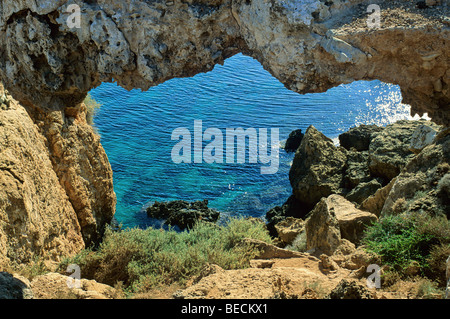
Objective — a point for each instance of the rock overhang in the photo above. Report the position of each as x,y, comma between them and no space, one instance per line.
308,45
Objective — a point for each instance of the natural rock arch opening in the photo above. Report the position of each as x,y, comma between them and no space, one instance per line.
136,132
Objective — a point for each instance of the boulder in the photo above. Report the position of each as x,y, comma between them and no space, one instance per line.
58,286
423,136
317,168
13,286
289,229
269,251
294,140
357,169
424,184
363,191
350,289
332,219
375,202
182,213
359,137
389,150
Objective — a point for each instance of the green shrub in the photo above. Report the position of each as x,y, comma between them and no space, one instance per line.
144,258
402,239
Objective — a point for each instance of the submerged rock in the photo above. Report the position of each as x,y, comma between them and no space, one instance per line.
182,213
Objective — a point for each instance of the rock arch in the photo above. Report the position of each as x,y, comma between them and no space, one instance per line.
309,45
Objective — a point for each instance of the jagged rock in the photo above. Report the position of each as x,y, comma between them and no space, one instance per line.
317,168
57,286
363,191
389,149
291,208
310,46
13,286
182,213
359,137
268,251
423,185
357,169
350,289
56,187
293,141
289,229
332,219
375,203
423,136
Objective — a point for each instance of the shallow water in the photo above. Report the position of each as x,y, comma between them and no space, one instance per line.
136,129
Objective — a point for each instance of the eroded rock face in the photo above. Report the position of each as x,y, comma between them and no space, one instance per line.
309,45
56,188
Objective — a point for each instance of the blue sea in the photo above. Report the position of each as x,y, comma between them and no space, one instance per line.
136,129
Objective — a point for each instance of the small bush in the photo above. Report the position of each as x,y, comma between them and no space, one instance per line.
144,258
402,239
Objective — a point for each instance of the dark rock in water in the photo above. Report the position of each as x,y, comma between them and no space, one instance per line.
293,141
359,137
182,213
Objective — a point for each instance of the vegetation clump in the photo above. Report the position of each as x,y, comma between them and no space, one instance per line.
143,259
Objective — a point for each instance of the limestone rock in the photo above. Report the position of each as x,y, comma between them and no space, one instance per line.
56,189
334,218
375,202
57,286
423,136
13,286
268,251
363,191
289,229
389,149
357,169
317,168
359,137
310,46
423,183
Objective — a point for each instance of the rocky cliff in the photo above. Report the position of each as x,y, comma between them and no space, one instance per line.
309,45
56,191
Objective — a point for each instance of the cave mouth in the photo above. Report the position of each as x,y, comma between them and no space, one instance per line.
137,138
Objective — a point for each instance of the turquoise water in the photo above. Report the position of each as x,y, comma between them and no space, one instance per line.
136,129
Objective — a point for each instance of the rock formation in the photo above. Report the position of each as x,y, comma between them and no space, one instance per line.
49,61
56,191
182,213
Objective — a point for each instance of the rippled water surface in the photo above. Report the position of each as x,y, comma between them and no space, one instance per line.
136,129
